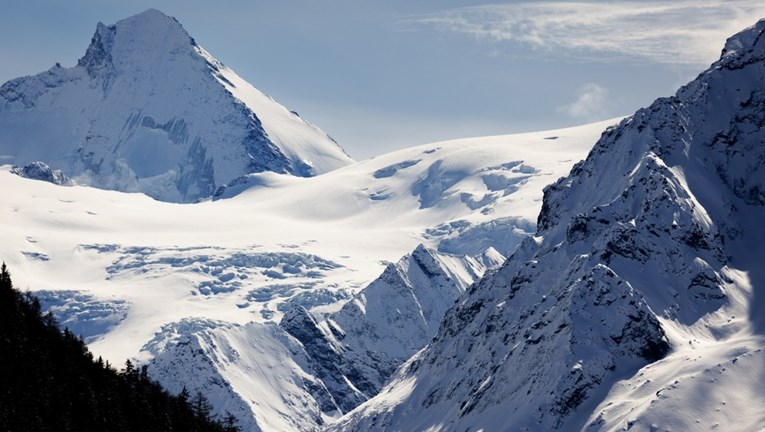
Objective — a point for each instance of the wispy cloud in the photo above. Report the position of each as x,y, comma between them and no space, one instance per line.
590,103
670,32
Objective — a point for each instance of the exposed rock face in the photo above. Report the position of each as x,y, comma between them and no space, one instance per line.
357,349
41,171
639,239
146,109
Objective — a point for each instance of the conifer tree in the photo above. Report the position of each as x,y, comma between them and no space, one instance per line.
49,381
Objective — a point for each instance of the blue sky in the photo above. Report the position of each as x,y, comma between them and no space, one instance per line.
382,75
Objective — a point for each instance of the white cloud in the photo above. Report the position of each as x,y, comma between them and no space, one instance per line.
590,103
686,32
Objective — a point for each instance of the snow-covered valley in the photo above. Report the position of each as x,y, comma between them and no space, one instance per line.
118,268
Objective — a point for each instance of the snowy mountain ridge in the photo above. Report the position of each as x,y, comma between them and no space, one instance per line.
637,304
148,110
313,366
384,324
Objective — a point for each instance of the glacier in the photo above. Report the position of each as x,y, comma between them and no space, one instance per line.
219,295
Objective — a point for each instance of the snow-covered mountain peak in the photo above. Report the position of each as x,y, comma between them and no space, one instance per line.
148,110
136,42
147,24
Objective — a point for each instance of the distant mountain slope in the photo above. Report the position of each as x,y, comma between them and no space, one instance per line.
148,110
638,304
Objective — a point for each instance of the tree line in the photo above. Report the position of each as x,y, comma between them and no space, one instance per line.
50,381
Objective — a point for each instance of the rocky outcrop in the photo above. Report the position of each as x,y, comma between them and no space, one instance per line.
41,171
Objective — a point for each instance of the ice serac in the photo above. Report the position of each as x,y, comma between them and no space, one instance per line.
641,291
148,110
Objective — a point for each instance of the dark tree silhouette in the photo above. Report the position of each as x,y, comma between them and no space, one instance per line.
49,381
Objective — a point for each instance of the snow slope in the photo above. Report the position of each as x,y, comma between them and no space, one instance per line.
130,270
638,303
148,110
356,349
310,368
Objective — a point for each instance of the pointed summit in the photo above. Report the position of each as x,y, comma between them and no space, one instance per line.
153,26
150,15
148,110
135,41
153,30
